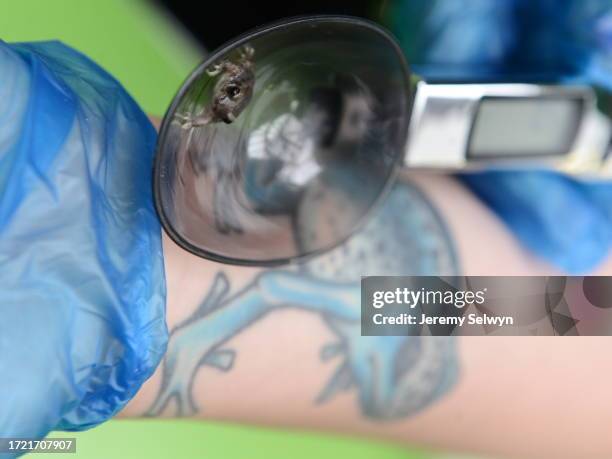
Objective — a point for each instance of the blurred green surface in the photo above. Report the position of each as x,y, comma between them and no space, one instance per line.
137,43
187,439
151,56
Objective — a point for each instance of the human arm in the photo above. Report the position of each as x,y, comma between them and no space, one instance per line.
277,374
65,338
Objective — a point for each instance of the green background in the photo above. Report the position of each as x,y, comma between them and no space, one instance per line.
151,55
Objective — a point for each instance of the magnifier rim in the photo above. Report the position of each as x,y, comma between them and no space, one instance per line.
212,58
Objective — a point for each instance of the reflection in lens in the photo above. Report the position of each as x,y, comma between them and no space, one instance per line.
298,120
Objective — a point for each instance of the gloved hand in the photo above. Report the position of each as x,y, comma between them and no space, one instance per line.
564,220
82,299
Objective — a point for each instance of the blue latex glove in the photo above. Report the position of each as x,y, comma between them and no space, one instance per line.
82,304
566,221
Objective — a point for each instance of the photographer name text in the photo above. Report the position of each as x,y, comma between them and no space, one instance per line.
459,321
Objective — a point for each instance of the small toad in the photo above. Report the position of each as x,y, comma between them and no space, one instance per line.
231,94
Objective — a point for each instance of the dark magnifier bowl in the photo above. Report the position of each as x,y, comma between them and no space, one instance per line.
279,145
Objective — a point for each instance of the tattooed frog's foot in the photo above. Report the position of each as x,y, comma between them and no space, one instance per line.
179,372
189,349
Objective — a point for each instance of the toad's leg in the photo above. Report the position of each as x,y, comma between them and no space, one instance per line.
188,122
247,53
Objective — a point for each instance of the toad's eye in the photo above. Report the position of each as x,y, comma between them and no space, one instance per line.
233,91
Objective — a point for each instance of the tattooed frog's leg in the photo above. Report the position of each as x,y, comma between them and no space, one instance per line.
199,341
395,376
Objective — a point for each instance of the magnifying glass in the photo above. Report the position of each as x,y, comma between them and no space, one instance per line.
282,142
277,147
